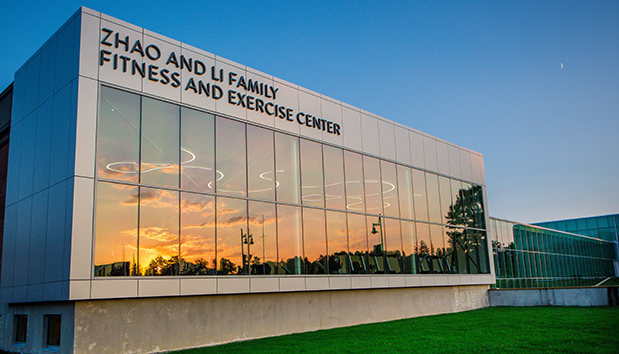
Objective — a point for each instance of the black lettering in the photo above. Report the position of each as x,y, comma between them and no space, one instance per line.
253,86
120,41
308,121
102,58
241,101
104,40
299,115
259,105
165,78
266,93
221,74
203,88
231,78
274,91
150,55
336,129
191,85
124,60
137,47
217,92
266,109
198,67
242,83
135,66
330,127
316,122
250,103
172,59
176,77
282,112
115,61
289,114
324,124
231,94
186,63
261,88
152,73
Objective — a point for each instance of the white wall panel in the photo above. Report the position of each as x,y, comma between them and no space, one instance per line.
442,153
31,98
43,144
153,82
65,272
465,163
22,244
402,146
332,111
113,288
264,284
231,285
454,161
198,286
158,287
48,71
26,171
290,95
19,93
78,289
122,75
292,284
387,139
81,232
8,247
12,185
340,283
351,128
200,99
314,283
483,170
54,243
38,234
66,55
417,154
429,150
369,134
476,168
231,91
256,114
86,127
309,105
89,46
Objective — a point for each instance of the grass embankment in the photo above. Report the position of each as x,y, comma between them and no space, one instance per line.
489,330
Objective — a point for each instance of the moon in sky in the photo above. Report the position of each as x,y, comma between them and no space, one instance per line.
561,65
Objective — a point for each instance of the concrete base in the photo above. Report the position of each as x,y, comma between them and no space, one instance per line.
549,297
161,324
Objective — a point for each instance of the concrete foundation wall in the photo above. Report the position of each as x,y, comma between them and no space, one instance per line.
158,324
549,297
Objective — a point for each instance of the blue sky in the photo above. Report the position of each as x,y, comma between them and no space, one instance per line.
484,75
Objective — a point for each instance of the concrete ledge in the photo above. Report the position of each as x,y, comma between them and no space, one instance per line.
194,321
549,297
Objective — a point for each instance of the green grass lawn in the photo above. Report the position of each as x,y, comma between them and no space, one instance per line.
489,330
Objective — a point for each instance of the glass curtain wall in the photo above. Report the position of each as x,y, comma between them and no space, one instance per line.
527,256
182,192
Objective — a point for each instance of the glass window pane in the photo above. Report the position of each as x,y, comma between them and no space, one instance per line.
334,177
337,236
116,235
263,228
393,245
445,191
287,169
312,180
358,243
290,242
315,241
377,260
160,146
260,163
197,151
434,203
118,135
197,234
231,235
405,190
425,251
159,232
230,160
455,215
355,196
409,245
439,259
371,172
420,199
389,189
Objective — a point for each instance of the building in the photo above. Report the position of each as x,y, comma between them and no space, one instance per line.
529,256
172,198
605,227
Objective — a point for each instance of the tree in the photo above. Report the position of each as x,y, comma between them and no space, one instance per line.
226,266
